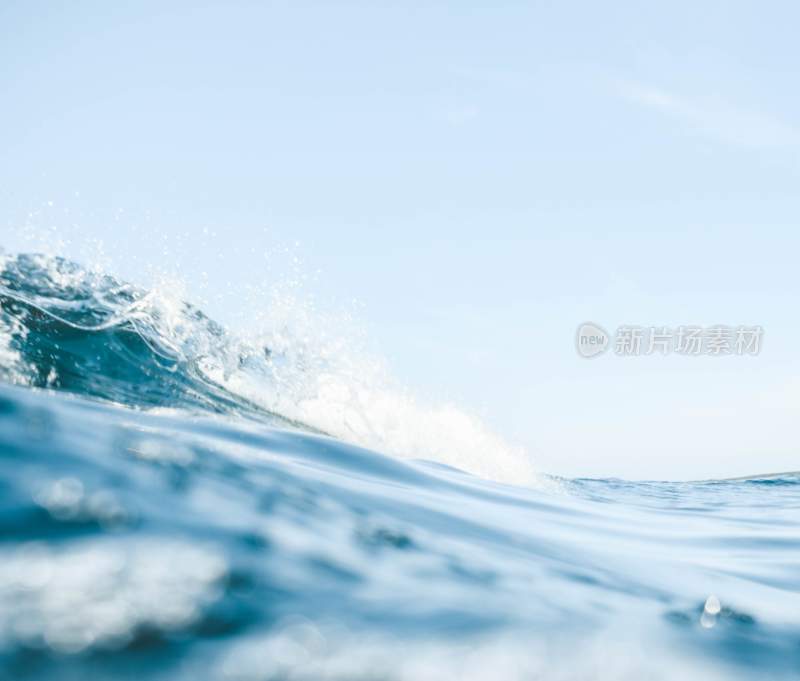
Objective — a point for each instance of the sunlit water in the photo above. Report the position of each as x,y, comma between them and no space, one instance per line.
172,508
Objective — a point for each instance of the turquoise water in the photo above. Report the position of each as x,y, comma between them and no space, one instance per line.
165,514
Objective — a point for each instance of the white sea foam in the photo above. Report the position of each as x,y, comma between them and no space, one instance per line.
320,372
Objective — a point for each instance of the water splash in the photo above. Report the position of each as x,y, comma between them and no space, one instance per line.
83,331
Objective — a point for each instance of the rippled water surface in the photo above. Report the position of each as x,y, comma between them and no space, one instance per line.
163,515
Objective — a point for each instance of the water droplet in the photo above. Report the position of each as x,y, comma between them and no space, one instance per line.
712,606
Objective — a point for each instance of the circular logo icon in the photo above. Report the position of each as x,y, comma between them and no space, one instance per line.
591,340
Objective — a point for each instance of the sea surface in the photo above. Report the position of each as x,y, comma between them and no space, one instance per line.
178,502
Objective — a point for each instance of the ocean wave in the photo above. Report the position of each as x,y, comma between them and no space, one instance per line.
81,330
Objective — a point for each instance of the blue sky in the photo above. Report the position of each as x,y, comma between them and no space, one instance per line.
482,178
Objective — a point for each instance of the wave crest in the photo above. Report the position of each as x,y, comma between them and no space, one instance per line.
80,330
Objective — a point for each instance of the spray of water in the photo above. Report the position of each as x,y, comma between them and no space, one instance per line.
296,360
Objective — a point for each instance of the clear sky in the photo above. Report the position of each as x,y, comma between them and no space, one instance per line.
482,178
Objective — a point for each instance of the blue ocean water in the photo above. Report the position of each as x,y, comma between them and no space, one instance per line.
173,506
